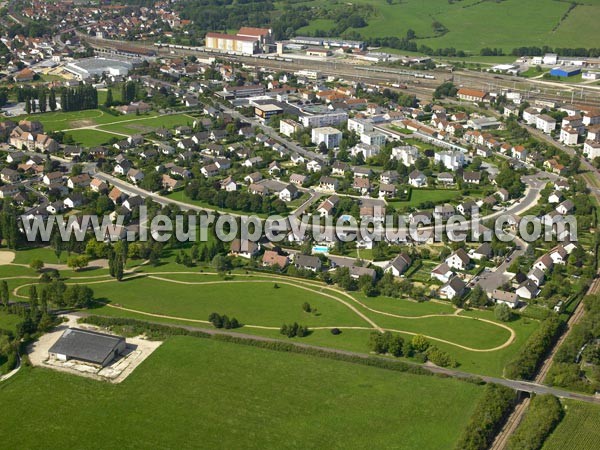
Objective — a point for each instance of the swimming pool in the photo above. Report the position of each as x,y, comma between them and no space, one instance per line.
320,249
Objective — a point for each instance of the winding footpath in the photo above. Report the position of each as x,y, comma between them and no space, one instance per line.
313,287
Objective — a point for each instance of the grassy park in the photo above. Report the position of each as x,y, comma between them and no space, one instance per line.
171,293
251,406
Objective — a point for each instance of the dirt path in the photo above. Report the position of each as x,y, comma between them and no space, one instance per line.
6,257
309,286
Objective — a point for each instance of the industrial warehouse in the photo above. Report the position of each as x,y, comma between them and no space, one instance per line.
89,67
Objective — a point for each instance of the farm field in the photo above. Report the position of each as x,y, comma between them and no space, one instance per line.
578,429
163,404
473,24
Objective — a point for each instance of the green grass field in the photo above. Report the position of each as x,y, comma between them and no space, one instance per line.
145,124
58,121
9,321
262,308
92,138
419,196
475,24
191,294
195,392
578,430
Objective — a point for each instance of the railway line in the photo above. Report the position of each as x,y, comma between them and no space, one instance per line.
421,84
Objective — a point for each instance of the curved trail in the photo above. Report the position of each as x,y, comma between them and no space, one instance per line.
510,340
298,283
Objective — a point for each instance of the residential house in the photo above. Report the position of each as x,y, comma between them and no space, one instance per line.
458,260
273,259
417,179
307,262
453,288
244,248
399,264
501,297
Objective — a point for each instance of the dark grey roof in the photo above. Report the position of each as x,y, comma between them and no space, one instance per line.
308,261
86,345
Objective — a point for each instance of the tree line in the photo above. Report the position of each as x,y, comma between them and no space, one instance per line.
492,410
79,98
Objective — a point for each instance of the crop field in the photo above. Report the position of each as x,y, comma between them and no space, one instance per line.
475,24
187,393
578,430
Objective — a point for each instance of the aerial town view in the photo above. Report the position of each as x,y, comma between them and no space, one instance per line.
300,224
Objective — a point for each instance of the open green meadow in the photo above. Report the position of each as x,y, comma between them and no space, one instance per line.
146,124
475,24
578,430
197,392
93,137
419,196
262,303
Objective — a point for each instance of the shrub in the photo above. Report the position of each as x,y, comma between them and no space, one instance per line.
543,415
336,331
530,356
491,412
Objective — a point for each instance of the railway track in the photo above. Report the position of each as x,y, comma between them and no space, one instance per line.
530,89
511,425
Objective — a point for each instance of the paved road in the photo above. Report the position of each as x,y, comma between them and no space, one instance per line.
493,279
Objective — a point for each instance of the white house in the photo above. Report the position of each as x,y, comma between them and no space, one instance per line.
406,154
527,290
505,298
458,260
591,149
530,116
442,273
399,264
545,123
452,160
453,288
288,193
417,179
568,135
314,166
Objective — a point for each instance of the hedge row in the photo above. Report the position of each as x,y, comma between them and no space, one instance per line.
489,416
543,415
525,364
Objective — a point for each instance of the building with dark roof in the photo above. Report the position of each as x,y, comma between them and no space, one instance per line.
88,346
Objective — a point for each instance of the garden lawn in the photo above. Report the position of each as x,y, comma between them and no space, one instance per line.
193,392
419,196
